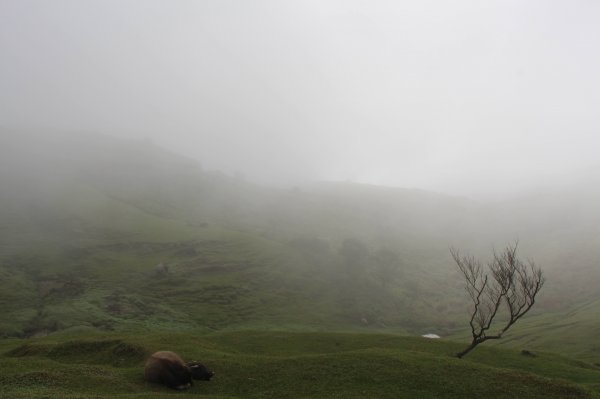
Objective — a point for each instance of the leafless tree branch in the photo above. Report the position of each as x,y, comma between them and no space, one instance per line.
509,281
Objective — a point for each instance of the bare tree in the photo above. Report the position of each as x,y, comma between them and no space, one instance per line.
508,281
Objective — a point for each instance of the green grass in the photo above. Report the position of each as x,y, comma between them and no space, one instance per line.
573,332
251,364
219,279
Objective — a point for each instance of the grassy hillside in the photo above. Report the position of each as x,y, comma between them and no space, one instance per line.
286,365
573,332
99,234
211,279
119,235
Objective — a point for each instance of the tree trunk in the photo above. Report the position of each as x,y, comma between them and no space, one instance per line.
468,349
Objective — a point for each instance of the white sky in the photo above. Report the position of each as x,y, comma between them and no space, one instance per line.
465,97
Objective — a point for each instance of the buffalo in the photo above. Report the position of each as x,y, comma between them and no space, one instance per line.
167,368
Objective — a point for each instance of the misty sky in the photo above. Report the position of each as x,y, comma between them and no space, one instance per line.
472,97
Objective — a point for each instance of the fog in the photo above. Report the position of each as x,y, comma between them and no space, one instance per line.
482,99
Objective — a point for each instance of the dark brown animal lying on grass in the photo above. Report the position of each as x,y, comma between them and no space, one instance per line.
169,369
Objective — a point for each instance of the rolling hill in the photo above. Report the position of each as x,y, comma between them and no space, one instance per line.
287,365
99,234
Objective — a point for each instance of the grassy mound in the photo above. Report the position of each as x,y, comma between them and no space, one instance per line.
287,365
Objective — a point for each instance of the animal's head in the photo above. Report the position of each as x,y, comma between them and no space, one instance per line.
199,371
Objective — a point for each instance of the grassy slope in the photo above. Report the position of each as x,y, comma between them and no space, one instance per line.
218,278
287,365
233,260
572,333
107,248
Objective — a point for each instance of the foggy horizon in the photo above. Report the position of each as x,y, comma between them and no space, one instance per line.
479,100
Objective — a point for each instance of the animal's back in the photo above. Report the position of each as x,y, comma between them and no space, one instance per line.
167,355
